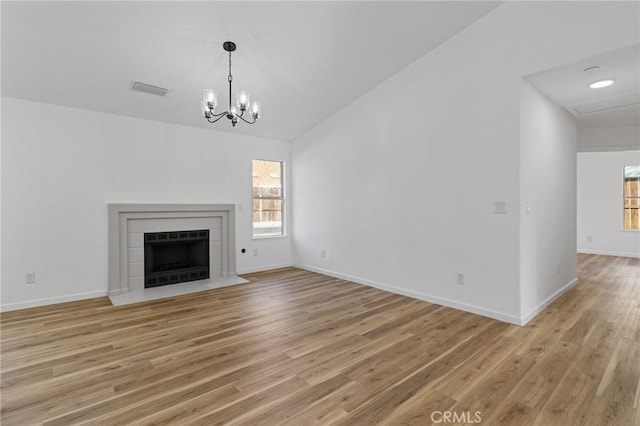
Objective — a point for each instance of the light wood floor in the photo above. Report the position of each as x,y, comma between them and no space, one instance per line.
299,348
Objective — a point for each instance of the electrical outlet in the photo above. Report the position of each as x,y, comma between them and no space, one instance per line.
589,239
30,278
255,252
240,208
460,279
323,253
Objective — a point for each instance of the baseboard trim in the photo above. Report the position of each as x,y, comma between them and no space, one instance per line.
500,316
263,268
80,296
548,301
610,253
50,301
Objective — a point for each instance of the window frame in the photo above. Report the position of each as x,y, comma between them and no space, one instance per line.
624,199
282,200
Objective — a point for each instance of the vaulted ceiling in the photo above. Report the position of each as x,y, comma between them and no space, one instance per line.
303,60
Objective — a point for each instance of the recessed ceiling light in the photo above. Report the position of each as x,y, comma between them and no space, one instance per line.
600,84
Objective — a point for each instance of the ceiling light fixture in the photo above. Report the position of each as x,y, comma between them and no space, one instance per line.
210,100
600,84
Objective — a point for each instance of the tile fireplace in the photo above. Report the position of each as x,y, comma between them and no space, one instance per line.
160,244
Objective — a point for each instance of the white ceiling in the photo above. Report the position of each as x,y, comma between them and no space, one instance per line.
615,105
303,60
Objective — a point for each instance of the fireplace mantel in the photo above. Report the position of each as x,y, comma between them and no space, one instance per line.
120,220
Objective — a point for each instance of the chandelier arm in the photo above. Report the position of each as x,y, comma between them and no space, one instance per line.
217,119
243,119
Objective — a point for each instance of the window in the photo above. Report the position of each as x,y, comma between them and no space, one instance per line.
631,197
268,198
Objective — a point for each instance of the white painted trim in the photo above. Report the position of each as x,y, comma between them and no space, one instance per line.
625,148
264,268
525,319
609,253
51,301
415,295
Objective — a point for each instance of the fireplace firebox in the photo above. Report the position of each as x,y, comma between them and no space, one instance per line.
175,257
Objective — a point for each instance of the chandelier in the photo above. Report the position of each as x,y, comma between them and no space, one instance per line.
235,112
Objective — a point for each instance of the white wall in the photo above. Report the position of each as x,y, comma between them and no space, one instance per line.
548,200
60,168
600,195
616,138
398,186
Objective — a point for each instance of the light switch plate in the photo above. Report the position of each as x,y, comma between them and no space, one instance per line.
499,207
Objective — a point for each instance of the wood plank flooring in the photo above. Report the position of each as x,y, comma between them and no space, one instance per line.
298,348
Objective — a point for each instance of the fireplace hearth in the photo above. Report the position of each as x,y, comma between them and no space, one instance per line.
175,257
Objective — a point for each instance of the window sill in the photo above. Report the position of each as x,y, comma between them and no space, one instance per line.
268,237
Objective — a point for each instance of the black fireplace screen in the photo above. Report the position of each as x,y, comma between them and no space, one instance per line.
175,257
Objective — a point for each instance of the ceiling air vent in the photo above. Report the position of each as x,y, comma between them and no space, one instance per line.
148,88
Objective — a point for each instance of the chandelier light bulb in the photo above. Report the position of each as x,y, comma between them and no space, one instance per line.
243,100
205,109
255,110
210,98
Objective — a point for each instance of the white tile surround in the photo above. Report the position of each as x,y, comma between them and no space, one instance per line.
136,228
129,222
